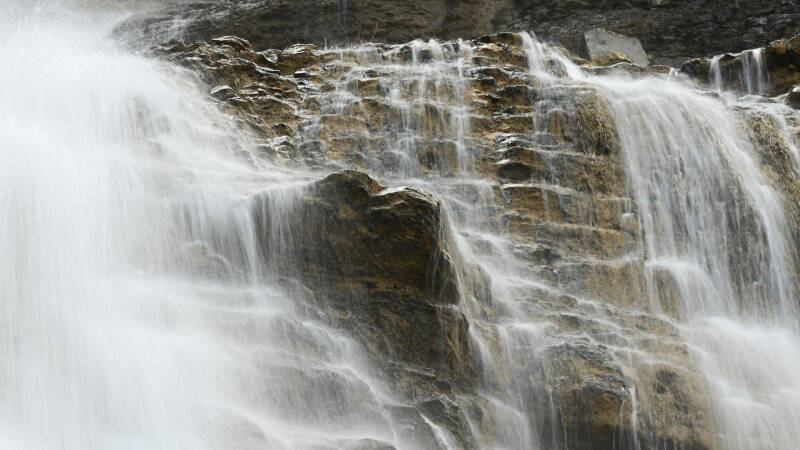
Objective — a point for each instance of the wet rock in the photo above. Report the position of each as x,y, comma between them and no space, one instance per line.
594,408
793,98
444,411
773,68
698,68
611,58
778,162
248,83
783,63
625,68
381,257
232,41
596,132
379,262
600,43
295,57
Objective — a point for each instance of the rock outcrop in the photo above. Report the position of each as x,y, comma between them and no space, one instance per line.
383,258
601,43
377,263
773,69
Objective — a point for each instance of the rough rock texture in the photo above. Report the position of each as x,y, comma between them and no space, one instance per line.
793,98
778,162
783,64
383,258
379,258
780,60
670,30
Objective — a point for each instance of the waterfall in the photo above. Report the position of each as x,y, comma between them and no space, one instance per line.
136,309
620,248
748,73
714,224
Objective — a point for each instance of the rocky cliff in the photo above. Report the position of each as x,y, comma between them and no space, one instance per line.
475,224
520,165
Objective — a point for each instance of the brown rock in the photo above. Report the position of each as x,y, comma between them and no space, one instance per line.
381,256
611,59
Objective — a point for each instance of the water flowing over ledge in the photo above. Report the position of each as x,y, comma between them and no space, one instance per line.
542,255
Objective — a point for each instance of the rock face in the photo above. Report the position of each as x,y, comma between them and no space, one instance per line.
377,261
380,255
769,70
671,30
282,23
793,98
603,44
783,64
550,176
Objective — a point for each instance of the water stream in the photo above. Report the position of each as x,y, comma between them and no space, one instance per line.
139,311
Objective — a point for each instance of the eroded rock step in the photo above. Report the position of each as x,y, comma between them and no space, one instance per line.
516,164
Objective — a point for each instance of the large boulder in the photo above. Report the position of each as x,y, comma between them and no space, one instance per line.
600,43
381,257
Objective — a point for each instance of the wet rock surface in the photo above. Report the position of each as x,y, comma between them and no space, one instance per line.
769,70
381,255
379,259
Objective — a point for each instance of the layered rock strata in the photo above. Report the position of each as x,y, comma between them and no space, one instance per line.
528,170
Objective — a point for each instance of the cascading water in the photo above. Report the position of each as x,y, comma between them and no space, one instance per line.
749,75
713,223
143,307
427,143
136,310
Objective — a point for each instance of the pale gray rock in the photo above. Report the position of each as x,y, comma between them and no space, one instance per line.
600,42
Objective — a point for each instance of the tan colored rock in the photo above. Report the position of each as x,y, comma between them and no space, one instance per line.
612,58
381,258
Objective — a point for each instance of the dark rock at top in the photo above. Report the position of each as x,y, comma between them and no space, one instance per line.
670,30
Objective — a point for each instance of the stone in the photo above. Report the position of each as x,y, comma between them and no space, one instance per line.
781,60
382,257
610,59
232,41
793,98
601,43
